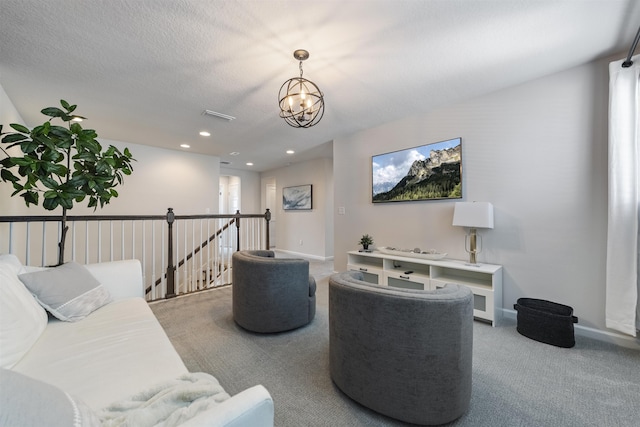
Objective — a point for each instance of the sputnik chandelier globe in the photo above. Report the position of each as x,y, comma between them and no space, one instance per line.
301,102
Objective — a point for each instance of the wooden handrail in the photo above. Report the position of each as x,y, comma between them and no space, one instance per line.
170,217
53,218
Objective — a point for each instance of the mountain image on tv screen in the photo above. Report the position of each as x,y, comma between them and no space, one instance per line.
428,172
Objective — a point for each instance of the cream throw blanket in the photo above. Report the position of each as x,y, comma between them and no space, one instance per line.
166,404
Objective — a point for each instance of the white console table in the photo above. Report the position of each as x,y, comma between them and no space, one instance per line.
484,280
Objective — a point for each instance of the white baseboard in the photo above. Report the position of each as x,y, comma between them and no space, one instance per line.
598,334
303,255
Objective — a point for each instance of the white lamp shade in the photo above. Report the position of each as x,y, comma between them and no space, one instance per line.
473,214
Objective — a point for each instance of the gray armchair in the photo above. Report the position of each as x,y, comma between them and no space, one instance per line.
271,294
404,353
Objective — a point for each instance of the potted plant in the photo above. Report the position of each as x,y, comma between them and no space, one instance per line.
62,164
365,241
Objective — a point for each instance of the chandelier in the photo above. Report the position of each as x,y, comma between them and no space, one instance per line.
301,102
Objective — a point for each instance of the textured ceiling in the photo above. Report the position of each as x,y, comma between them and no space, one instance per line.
143,71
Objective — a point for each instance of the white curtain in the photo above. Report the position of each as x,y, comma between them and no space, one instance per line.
622,277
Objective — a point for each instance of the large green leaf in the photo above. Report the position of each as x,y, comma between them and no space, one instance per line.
20,128
78,180
85,156
30,197
51,155
88,134
6,175
92,145
60,132
22,161
52,112
66,203
102,167
7,162
73,193
13,137
50,204
49,182
76,128
58,169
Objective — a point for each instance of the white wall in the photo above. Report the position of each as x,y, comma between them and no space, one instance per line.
314,227
161,178
8,114
538,152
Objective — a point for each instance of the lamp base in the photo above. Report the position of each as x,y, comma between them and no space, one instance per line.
472,247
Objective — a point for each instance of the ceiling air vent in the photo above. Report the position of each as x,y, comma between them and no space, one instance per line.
216,114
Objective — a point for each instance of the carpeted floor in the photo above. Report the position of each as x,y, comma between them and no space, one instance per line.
516,381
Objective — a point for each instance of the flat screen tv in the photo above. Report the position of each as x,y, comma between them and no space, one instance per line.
428,172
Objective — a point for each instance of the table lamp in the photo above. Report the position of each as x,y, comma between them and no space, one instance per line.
473,215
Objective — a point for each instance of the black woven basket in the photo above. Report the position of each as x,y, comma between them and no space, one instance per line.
546,321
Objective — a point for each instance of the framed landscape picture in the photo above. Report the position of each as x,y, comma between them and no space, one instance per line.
296,198
428,172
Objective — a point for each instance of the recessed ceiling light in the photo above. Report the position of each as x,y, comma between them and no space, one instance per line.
290,151
234,153
205,133
185,146
249,164
76,119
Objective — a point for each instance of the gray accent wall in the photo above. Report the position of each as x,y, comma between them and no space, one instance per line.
538,152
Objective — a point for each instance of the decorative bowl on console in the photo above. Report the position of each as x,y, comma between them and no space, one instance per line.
412,253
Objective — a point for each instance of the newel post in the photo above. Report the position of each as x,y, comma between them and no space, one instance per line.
171,269
237,230
267,218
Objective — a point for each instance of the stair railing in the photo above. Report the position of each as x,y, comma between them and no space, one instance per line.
203,242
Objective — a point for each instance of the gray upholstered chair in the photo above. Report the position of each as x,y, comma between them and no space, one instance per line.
272,294
404,353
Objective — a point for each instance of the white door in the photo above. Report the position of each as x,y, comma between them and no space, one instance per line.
229,204
234,194
230,190
222,196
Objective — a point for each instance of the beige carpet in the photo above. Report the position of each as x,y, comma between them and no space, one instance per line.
516,381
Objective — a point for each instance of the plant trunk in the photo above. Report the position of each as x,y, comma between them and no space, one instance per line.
63,235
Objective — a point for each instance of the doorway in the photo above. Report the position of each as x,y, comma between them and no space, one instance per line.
270,201
229,197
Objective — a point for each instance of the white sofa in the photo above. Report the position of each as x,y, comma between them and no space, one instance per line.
118,350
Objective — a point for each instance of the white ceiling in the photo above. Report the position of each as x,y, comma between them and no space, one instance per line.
143,71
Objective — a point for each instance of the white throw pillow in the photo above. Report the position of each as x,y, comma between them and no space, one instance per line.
69,291
22,320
